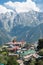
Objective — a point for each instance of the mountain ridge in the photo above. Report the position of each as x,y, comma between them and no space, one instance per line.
23,26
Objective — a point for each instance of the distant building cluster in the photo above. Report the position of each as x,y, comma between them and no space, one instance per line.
21,50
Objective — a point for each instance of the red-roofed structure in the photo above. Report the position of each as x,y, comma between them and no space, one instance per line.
13,46
21,44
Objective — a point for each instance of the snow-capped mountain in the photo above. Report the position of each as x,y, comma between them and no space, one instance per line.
27,26
7,20
21,20
12,19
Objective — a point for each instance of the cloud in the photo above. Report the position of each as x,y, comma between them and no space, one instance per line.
4,9
22,6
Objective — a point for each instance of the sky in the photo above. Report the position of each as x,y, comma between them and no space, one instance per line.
3,1
21,5
37,1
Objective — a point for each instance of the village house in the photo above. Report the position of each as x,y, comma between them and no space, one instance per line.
28,54
14,46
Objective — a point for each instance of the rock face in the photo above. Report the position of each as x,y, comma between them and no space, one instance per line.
24,26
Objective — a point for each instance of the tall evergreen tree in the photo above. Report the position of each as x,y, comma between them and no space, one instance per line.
40,44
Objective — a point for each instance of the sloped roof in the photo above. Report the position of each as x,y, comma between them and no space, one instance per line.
16,43
28,52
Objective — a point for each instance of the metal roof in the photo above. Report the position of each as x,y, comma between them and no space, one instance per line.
24,53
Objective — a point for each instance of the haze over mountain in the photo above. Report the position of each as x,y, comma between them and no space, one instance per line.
20,20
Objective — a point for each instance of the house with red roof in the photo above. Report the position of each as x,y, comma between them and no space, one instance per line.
14,46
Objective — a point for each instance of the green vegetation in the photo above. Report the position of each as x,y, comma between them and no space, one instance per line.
3,60
40,62
41,52
40,44
12,61
8,60
33,62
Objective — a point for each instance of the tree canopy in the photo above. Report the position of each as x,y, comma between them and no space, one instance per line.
40,44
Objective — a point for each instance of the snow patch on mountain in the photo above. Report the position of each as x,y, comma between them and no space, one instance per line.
4,9
7,20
